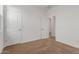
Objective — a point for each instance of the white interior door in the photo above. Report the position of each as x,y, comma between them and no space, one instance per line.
14,30
52,26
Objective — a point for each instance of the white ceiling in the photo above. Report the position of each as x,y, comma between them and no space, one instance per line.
38,6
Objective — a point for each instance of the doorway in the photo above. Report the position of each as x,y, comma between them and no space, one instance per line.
52,22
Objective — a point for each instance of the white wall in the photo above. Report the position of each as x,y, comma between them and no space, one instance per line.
1,28
34,20
67,24
33,23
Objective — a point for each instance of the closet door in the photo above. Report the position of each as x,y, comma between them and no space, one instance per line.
14,30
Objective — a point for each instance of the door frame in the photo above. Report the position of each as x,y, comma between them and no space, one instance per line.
50,26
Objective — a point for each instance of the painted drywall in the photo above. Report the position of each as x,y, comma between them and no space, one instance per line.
1,28
32,24
67,24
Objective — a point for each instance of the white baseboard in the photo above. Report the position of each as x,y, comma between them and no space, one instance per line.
9,44
67,43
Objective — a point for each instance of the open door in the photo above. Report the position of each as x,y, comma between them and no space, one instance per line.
52,27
